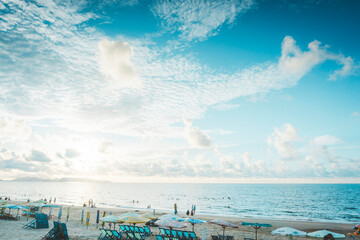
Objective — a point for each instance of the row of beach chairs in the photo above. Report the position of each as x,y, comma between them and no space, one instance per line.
135,229
176,234
108,234
6,216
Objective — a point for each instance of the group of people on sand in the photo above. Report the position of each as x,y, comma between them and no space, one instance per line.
188,212
6,198
91,203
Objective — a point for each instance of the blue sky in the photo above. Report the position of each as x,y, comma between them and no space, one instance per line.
180,91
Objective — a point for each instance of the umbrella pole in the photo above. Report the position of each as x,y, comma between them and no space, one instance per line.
224,231
193,226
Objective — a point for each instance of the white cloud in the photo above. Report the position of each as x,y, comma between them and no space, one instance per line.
115,62
355,114
293,61
14,129
327,140
194,136
282,140
199,19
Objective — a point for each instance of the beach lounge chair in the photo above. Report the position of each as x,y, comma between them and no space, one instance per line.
141,230
116,234
162,231
193,236
166,238
40,221
214,237
127,228
130,235
122,228
159,237
167,232
186,235
136,229
132,228
180,234
173,233
59,232
147,231
139,236
229,237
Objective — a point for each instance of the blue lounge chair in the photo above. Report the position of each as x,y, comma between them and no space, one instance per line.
173,233
167,232
193,236
127,228
141,229
147,231
122,228
186,235
139,236
180,234
40,221
132,228
136,229
159,237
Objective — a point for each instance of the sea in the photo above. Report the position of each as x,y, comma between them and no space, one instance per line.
339,203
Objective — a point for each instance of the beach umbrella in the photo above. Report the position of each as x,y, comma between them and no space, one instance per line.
104,214
87,219
51,205
323,233
109,219
193,221
128,214
18,207
170,223
40,201
357,226
285,231
149,215
171,217
256,226
7,205
133,219
224,224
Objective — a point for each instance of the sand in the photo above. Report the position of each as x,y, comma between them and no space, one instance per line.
12,230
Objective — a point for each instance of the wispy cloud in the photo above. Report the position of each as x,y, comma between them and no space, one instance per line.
199,19
282,140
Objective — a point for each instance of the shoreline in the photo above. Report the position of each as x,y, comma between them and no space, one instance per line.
80,231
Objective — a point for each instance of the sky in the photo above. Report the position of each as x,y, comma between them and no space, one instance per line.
252,91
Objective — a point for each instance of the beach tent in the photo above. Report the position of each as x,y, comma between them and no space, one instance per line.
133,219
169,223
224,224
286,231
193,221
256,226
323,233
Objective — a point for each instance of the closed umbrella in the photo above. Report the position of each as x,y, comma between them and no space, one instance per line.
256,226
224,224
60,213
323,233
286,231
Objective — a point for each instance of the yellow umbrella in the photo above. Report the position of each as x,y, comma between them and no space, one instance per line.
149,215
133,219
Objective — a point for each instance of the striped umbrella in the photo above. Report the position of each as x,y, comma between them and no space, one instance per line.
82,216
224,224
87,219
68,214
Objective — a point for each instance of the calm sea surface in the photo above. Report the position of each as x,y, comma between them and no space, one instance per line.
309,202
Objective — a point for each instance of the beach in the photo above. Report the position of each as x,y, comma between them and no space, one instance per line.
13,230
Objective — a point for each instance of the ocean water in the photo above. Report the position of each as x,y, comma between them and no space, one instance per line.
309,202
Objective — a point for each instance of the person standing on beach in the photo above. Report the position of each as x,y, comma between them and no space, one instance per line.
175,208
54,200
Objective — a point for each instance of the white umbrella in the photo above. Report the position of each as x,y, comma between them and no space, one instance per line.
323,233
110,219
285,231
170,223
171,217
